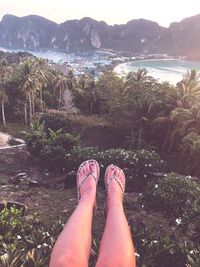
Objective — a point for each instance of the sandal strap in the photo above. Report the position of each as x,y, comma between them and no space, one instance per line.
114,177
85,177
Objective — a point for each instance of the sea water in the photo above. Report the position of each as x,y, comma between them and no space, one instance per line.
171,70
90,58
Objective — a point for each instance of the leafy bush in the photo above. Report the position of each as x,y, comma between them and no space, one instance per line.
55,121
57,146
24,243
158,244
11,223
65,140
52,147
60,151
138,165
175,196
138,162
190,153
36,139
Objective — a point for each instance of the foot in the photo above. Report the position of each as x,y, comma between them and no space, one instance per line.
87,178
115,185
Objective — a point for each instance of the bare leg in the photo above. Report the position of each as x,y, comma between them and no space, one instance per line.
116,249
72,249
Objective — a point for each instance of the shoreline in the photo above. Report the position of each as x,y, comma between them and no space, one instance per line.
166,69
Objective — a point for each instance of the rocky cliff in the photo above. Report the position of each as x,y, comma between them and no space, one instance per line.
136,36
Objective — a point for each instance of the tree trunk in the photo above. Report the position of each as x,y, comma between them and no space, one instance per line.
3,112
33,102
25,114
30,107
59,101
93,99
91,107
41,100
166,139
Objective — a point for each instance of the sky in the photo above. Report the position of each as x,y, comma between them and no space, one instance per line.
110,11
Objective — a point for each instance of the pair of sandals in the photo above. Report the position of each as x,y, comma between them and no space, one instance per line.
107,179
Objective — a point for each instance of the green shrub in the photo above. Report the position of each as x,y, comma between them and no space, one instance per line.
65,140
139,162
158,244
57,146
24,243
51,148
11,222
36,139
190,153
175,196
55,121
60,151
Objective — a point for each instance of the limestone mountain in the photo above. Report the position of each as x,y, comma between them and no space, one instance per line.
136,36
182,38
26,32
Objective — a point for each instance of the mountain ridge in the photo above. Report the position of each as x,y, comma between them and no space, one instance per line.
137,36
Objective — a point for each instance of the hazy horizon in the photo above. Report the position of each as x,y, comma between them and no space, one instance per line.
111,12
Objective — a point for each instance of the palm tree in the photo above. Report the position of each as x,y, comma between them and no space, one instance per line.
44,76
70,79
86,87
187,119
60,82
29,83
179,123
189,89
5,72
139,76
92,95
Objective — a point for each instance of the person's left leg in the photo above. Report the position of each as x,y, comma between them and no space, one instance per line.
73,246
116,248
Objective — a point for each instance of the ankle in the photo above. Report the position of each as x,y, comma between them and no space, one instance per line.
88,196
114,201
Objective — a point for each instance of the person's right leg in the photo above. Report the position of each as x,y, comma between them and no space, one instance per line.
73,247
116,249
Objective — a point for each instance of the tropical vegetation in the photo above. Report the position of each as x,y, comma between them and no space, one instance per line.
148,128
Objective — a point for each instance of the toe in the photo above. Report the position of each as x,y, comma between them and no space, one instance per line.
83,172
110,171
93,167
87,167
118,173
121,176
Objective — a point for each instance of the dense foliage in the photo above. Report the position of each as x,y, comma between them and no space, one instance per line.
60,152
149,112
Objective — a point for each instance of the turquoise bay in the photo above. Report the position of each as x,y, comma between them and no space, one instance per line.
170,70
